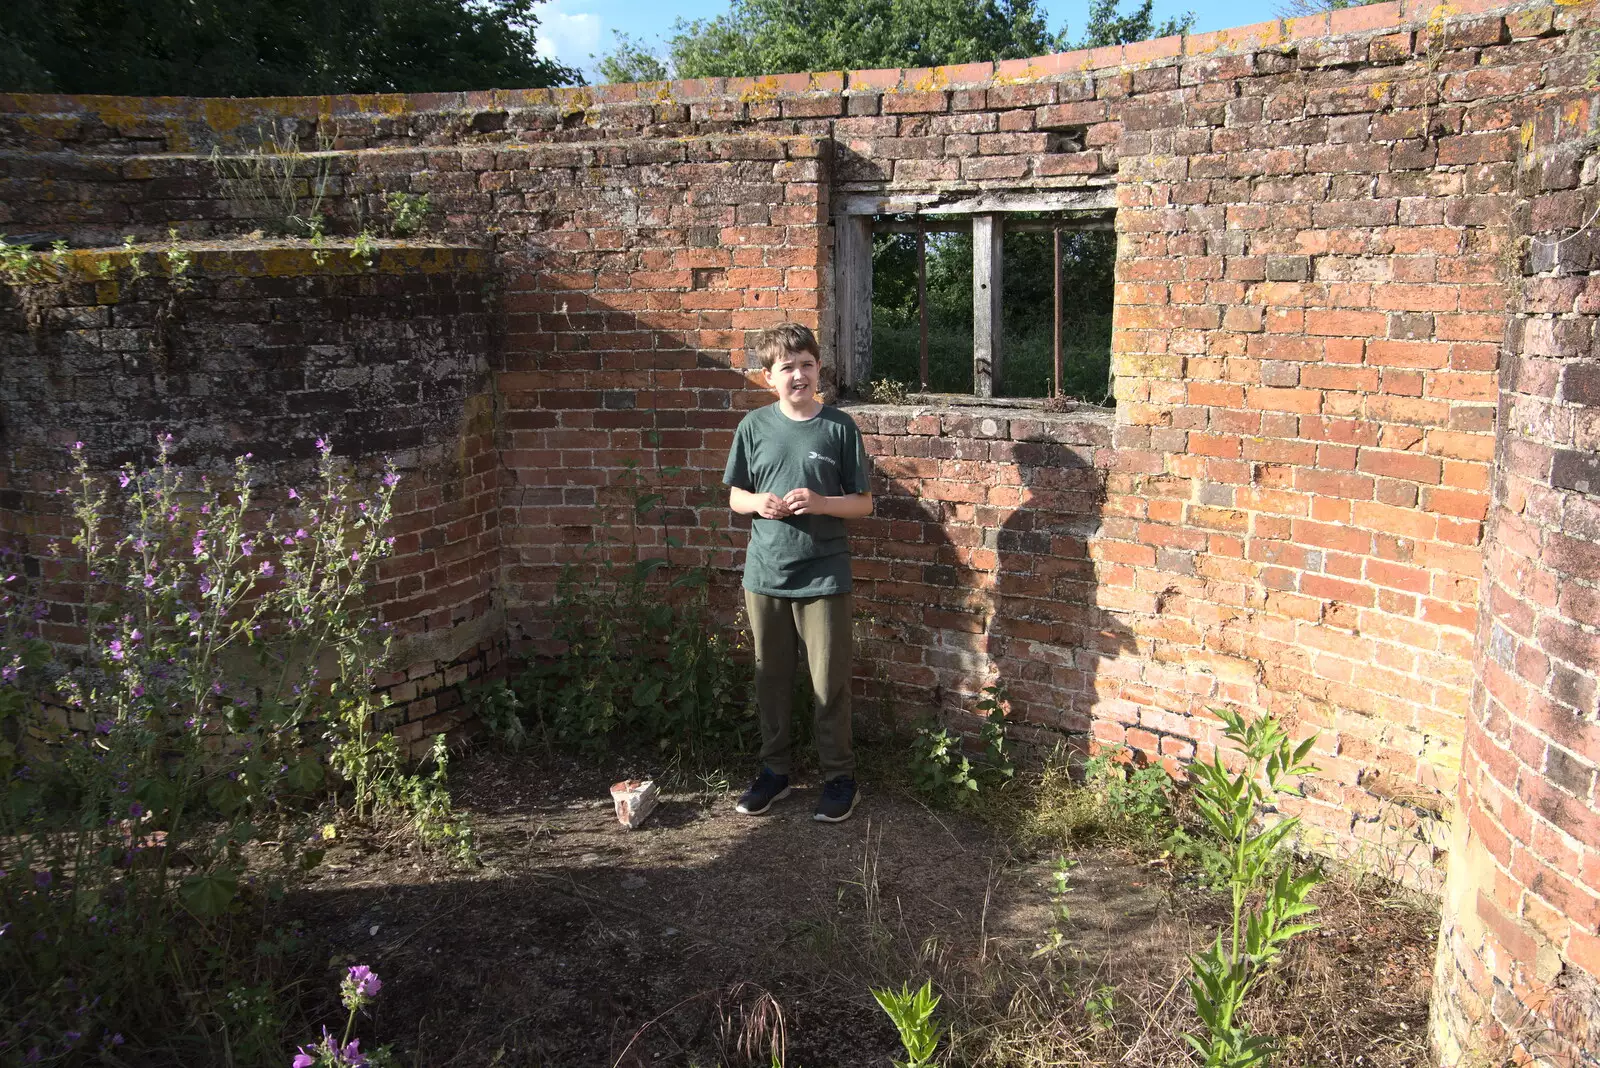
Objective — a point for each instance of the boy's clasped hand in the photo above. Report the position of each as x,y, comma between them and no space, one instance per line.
795,502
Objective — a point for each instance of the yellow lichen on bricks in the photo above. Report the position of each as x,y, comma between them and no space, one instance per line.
936,78
573,100
1030,73
764,91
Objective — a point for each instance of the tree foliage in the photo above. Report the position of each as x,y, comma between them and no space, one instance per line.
272,47
1107,25
783,36
630,61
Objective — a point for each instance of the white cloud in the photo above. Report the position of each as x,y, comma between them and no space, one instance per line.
569,36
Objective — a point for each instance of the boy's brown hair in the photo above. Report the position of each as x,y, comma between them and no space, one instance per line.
783,340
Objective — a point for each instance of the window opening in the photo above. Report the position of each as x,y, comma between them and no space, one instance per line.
1003,304
922,303
1056,310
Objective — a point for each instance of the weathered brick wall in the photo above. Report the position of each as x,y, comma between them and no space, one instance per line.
976,559
1519,957
626,334
261,351
1285,511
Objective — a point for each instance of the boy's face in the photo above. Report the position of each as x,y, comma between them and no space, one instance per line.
793,376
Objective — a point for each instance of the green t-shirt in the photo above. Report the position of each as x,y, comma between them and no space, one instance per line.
803,555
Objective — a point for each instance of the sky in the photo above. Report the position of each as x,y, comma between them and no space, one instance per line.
572,30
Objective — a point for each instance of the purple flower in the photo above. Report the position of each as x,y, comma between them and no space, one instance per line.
116,649
321,444
366,982
266,568
104,726
124,480
149,580
303,1059
135,810
138,689
247,546
354,557
293,496
43,879
390,478
204,584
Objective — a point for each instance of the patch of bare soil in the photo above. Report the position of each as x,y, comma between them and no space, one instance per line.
706,938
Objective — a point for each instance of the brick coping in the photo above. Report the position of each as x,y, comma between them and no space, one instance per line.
269,258
226,115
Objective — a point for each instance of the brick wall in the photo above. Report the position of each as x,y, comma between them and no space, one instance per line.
1317,223
263,350
1519,958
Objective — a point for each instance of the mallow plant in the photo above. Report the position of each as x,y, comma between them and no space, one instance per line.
357,991
165,762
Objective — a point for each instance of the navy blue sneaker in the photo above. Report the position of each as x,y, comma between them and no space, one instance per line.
838,800
767,788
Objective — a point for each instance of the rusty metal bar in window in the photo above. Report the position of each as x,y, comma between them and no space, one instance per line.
922,306
1055,263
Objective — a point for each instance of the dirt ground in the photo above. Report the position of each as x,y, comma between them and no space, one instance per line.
580,943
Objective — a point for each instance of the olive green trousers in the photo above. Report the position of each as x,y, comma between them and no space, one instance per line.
777,627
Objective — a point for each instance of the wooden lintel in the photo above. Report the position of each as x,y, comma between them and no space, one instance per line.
1013,226
1089,198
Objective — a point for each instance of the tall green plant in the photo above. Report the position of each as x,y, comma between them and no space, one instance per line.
1231,804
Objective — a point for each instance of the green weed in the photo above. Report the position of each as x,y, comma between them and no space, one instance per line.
940,766
408,212
1231,805
364,248
1137,801
912,1013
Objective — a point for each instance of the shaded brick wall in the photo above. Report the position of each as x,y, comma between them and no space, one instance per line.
262,351
1519,956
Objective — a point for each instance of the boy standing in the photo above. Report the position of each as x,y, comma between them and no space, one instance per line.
798,468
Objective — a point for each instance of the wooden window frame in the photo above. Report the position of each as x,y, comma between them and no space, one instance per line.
1084,209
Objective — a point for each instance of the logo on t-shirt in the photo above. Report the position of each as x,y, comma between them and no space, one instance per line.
824,459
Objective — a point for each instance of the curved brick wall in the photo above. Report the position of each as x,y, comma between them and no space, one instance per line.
263,349
1519,957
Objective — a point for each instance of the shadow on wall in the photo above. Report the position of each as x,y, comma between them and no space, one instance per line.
975,569
1054,644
